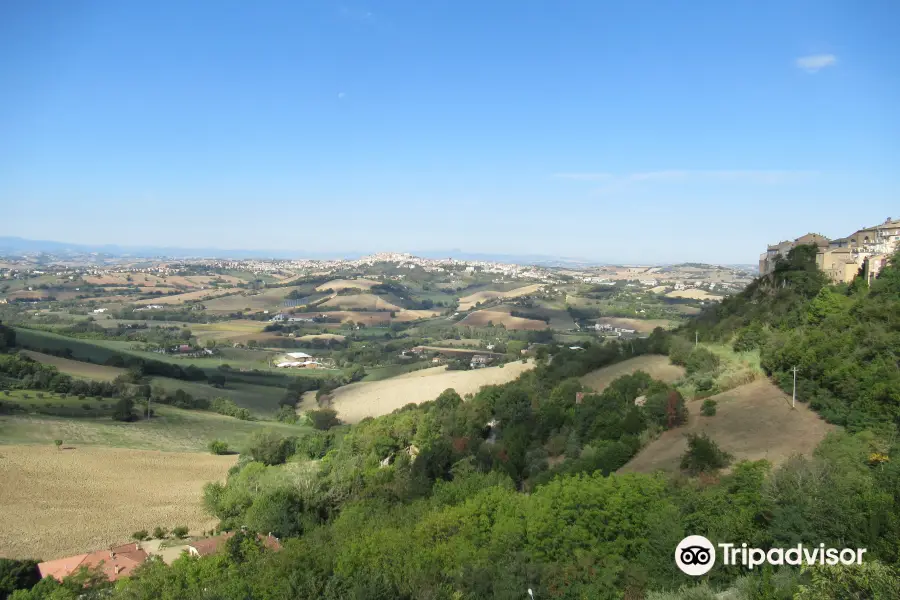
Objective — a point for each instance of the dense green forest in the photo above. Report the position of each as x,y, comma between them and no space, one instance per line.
515,488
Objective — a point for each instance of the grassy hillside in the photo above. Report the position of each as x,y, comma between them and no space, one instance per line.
843,340
171,429
752,422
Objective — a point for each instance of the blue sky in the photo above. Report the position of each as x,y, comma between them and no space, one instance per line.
640,131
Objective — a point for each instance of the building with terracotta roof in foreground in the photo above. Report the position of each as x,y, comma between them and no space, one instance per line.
118,561
208,546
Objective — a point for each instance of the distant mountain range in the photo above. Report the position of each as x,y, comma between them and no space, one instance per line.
18,247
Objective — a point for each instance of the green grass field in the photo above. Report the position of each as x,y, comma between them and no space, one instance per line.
76,368
97,351
171,429
261,400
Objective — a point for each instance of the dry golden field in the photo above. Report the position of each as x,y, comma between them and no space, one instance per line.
656,366
361,302
414,315
322,336
480,318
75,367
752,422
357,401
341,284
367,318
186,297
55,503
693,295
469,301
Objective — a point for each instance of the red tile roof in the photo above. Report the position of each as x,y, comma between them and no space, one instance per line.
116,562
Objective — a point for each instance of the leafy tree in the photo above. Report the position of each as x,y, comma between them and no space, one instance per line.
269,447
868,580
180,532
709,408
218,447
7,337
323,418
123,410
58,443
703,455
160,533
701,360
17,575
286,414
140,535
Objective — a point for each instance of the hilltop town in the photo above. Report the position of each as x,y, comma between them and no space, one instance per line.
865,251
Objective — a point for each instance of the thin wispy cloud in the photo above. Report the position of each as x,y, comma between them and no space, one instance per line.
815,62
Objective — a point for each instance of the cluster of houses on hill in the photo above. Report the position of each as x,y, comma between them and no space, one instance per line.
478,359
286,318
120,561
866,250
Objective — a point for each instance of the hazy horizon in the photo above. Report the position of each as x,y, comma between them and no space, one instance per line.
699,132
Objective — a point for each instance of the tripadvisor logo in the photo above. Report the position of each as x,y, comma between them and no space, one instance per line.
695,555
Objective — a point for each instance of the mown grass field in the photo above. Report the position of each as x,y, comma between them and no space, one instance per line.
357,401
76,368
362,302
658,367
341,284
56,503
467,302
752,422
484,318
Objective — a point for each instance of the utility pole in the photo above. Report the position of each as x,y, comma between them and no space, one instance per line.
794,395
696,338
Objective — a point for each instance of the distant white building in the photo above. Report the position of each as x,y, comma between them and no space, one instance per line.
97,311
299,355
